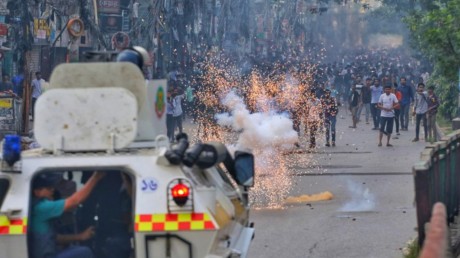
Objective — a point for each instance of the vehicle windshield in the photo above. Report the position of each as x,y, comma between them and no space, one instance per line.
81,212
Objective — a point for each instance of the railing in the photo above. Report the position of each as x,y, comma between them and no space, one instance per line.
437,179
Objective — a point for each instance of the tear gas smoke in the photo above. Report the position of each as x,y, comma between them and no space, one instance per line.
258,130
268,135
361,198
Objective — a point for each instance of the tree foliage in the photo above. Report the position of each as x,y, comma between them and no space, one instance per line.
447,92
412,5
436,34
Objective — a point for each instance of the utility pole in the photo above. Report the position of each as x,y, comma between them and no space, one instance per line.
25,47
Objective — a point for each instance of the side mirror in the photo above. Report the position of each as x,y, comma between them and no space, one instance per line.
244,168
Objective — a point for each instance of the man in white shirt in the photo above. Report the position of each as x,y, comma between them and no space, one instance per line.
178,96
387,103
37,85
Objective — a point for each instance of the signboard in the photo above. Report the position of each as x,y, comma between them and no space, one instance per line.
7,116
111,23
6,103
41,28
108,6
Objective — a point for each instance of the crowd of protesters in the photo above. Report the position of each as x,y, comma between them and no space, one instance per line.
391,90
382,88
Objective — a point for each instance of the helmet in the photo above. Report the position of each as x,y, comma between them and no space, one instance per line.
143,53
136,55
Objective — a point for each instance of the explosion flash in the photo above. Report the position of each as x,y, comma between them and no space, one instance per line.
268,136
263,111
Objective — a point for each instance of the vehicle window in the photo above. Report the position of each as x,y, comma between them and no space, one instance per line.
100,226
4,186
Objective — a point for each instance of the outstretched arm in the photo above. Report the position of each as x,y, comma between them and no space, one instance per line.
78,197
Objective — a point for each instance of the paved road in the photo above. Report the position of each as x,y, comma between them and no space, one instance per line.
372,184
372,213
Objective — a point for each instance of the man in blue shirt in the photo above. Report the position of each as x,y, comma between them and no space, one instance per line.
407,98
18,83
45,209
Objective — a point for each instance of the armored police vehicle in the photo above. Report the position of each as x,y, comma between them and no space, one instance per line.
154,198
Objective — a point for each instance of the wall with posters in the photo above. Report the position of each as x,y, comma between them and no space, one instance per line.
41,31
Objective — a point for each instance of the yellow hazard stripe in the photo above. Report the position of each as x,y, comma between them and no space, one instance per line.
174,222
12,226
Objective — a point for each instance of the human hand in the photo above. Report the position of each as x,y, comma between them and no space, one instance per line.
87,234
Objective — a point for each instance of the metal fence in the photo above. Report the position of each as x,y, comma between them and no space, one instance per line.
437,179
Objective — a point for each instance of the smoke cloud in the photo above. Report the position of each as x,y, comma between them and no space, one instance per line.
361,198
257,130
267,135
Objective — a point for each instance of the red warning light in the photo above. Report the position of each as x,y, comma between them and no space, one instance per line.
180,193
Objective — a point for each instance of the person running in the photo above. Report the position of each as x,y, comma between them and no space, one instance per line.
420,109
387,103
